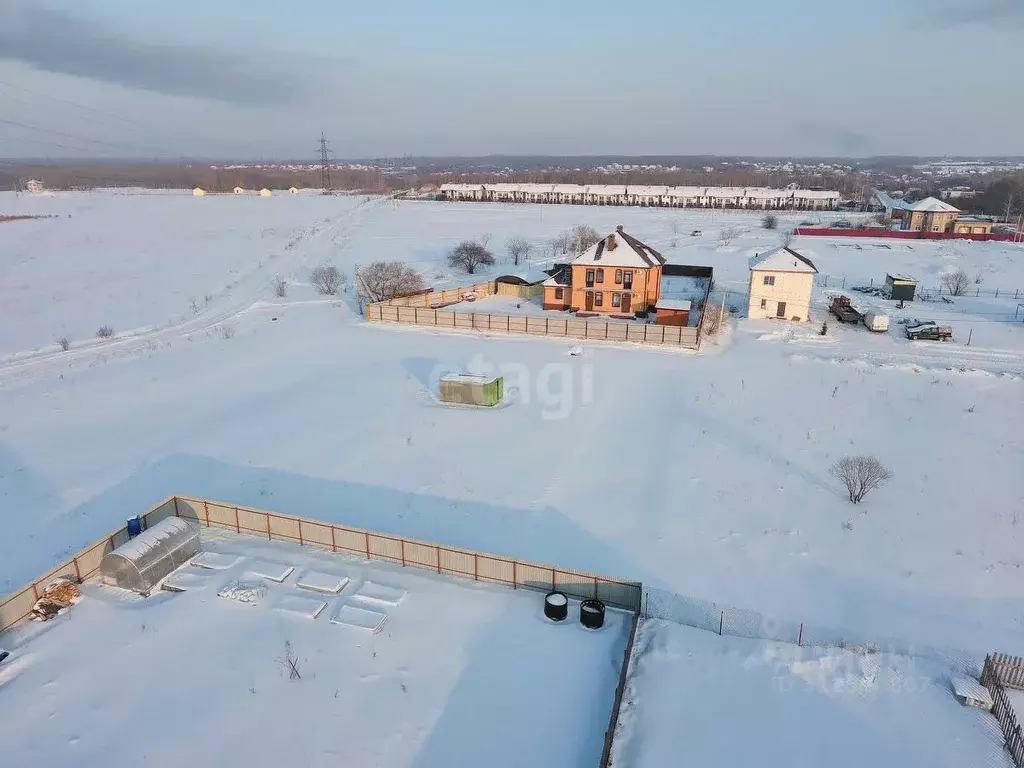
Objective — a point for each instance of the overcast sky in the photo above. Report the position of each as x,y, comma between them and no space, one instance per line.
262,78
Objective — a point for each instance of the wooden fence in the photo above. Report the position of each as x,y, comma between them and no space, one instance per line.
1003,671
559,325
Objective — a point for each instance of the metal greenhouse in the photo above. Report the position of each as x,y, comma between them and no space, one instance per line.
142,562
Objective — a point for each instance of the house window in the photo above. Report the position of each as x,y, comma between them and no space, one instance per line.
936,228
559,293
616,300
764,303
769,279
590,277
618,277
598,299
627,279
600,275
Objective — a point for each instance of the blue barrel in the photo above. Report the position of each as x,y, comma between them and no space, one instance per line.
134,527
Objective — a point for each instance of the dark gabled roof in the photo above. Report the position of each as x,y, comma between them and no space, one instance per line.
804,259
651,256
561,275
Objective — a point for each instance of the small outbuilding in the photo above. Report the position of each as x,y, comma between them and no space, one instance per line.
199,192
900,287
239,191
265,192
682,292
140,564
472,389
35,186
527,284
293,190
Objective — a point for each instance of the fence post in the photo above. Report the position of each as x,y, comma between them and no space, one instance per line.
78,573
546,325
334,546
238,527
997,293
300,533
476,567
800,637
552,579
268,526
969,335
595,587
403,553
366,535
515,584
721,623
437,554
206,508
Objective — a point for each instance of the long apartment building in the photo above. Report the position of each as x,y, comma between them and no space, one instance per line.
759,198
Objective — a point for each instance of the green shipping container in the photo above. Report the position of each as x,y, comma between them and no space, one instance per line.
470,389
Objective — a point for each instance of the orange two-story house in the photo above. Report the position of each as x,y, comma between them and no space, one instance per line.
617,275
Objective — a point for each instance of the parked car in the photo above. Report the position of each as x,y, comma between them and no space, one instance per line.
842,224
928,331
696,233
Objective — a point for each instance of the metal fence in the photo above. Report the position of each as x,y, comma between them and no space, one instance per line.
971,292
444,560
734,621
80,566
1003,671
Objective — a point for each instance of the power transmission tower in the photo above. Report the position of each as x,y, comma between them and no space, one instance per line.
325,165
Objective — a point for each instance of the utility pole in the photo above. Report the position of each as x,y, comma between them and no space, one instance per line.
325,165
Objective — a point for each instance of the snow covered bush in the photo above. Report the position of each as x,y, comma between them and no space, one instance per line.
105,332
64,342
770,221
383,280
468,255
956,283
727,235
280,287
326,279
860,475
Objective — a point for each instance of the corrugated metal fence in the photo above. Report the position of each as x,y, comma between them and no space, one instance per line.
451,561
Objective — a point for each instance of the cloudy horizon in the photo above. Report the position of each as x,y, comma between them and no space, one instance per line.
456,79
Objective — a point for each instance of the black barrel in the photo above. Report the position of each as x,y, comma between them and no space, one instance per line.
592,614
556,606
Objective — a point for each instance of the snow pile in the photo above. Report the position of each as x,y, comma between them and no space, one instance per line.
250,592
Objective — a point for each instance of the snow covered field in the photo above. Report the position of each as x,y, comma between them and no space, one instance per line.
702,474
723,701
459,673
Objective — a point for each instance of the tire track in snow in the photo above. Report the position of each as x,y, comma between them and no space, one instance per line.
246,292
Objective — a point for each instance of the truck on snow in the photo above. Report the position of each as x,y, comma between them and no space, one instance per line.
876,322
928,331
840,307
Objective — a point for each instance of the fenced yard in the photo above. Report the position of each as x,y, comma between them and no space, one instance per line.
452,561
428,309
1000,672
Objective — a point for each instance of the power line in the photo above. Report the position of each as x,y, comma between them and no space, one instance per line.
121,146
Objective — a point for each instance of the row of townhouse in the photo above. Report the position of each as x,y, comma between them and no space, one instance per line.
761,198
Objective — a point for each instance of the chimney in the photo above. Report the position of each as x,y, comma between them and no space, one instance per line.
618,228
611,242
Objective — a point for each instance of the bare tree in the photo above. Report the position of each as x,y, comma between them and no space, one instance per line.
710,318
326,279
582,237
383,280
468,255
280,287
519,249
956,283
64,342
105,332
562,242
979,277
727,235
484,239
860,475
786,237
770,221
